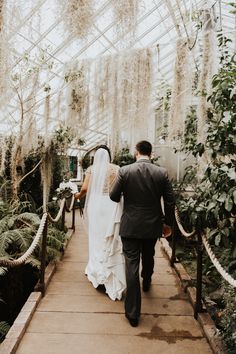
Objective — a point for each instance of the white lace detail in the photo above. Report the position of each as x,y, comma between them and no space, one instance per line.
110,177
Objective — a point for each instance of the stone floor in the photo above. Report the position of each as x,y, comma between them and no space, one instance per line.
75,318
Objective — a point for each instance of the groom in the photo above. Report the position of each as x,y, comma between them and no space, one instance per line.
142,185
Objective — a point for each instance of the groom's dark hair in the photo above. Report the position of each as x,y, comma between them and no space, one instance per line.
105,148
144,147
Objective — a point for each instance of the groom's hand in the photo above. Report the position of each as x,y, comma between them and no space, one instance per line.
166,231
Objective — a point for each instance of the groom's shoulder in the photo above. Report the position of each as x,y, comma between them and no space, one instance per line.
126,168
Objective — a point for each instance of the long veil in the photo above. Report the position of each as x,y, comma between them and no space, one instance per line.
96,183
102,216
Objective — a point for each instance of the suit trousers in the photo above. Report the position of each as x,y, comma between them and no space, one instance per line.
133,248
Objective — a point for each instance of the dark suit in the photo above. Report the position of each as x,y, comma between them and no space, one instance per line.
142,185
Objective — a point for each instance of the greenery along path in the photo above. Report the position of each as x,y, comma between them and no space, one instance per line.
75,318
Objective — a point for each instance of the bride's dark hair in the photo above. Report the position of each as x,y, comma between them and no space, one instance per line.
105,148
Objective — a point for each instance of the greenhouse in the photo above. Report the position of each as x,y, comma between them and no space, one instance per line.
117,176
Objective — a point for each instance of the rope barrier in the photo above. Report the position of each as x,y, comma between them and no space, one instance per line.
22,259
30,250
217,264
210,253
72,202
56,219
181,229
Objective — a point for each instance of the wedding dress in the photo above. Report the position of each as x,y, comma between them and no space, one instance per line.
106,261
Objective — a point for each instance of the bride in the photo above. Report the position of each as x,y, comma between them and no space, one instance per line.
106,262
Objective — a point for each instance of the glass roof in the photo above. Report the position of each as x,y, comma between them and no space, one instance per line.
37,37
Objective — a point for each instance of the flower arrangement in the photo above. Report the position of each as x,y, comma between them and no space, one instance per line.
65,189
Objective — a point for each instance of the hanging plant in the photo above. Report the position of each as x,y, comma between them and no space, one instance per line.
78,95
208,69
78,16
181,90
3,156
30,136
46,176
123,88
4,49
125,16
162,110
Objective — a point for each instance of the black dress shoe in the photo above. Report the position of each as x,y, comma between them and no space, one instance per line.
133,321
146,284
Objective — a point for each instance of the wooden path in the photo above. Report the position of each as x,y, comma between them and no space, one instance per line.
75,318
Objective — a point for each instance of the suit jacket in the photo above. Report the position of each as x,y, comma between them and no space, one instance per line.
142,185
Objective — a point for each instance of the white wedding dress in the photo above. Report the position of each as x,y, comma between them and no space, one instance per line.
106,263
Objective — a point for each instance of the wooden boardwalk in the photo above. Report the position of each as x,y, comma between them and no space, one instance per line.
75,318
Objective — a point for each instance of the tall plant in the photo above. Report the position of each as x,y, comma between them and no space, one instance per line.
215,196
212,205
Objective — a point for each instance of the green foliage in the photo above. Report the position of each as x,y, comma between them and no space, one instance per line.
189,141
214,198
211,206
62,137
123,157
228,319
17,233
85,161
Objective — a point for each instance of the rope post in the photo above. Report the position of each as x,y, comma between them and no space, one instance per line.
43,258
63,217
73,217
198,304
173,246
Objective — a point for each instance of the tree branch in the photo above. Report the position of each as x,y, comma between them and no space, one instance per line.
27,174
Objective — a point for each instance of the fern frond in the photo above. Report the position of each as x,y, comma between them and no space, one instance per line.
34,262
52,253
30,218
3,270
4,328
18,238
4,224
5,242
54,242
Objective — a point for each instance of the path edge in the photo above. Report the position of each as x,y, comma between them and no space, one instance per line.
207,324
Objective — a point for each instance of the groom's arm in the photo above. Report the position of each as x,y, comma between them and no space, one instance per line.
169,201
117,189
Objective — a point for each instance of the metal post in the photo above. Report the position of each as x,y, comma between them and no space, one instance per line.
43,259
63,217
173,257
73,217
198,304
